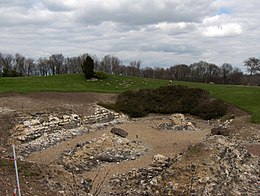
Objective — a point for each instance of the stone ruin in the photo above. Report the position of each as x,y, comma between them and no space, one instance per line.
39,130
108,148
178,122
221,167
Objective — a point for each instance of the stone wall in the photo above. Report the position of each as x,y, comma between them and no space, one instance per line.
39,130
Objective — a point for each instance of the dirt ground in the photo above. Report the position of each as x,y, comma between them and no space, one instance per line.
40,164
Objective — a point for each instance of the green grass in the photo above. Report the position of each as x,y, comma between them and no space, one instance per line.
76,83
246,98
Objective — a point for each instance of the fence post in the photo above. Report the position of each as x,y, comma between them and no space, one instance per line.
16,172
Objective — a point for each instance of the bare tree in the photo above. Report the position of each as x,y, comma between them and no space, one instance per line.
147,72
56,62
180,71
236,76
159,72
212,73
226,70
19,65
135,68
197,71
252,64
72,65
110,64
43,66
7,62
30,67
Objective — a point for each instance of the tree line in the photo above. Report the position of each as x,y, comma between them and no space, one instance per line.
202,71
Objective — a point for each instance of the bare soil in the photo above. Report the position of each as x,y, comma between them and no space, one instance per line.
41,165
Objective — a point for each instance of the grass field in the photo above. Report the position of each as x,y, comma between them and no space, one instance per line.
76,83
246,98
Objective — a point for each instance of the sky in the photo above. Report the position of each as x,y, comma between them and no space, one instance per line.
160,33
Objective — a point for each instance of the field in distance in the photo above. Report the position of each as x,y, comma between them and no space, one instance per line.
244,97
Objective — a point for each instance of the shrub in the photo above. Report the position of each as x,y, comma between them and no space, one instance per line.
170,99
131,103
210,109
109,106
100,75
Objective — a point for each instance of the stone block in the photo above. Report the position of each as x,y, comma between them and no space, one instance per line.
119,132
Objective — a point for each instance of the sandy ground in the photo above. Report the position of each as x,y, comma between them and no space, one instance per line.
168,143
77,102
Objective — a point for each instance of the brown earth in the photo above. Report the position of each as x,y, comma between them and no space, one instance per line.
41,165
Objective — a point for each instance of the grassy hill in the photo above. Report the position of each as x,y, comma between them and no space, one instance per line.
76,83
246,98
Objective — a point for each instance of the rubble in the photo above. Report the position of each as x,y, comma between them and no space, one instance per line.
39,130
5,110
220,131
178,119
222,166
109,148
178,122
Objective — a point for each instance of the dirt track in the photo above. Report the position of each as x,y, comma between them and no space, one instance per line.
78,102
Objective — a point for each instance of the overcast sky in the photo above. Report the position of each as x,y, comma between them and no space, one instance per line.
157,32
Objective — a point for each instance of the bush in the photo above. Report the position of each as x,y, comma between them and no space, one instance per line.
210,109
109,106
100,75
170,99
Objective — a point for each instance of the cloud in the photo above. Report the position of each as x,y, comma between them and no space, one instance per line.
159,33
141,12
58,5
229,29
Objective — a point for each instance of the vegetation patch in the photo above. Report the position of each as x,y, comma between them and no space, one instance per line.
170,99
100,75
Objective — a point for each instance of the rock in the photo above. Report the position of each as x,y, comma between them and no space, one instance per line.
178,119
35,122
220,131
111,158
159,158
27,123
228,170
38,130
66,117
119,132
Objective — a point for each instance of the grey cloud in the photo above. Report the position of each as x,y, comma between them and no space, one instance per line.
159,33
144,12
57,6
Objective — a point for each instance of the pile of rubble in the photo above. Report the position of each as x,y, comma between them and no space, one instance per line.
178,122
217,166
109,148
39,130
5,110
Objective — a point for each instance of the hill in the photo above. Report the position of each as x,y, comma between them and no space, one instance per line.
244,97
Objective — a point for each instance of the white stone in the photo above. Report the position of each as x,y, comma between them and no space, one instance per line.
159,158
66,117
27,123
35,122
178,119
